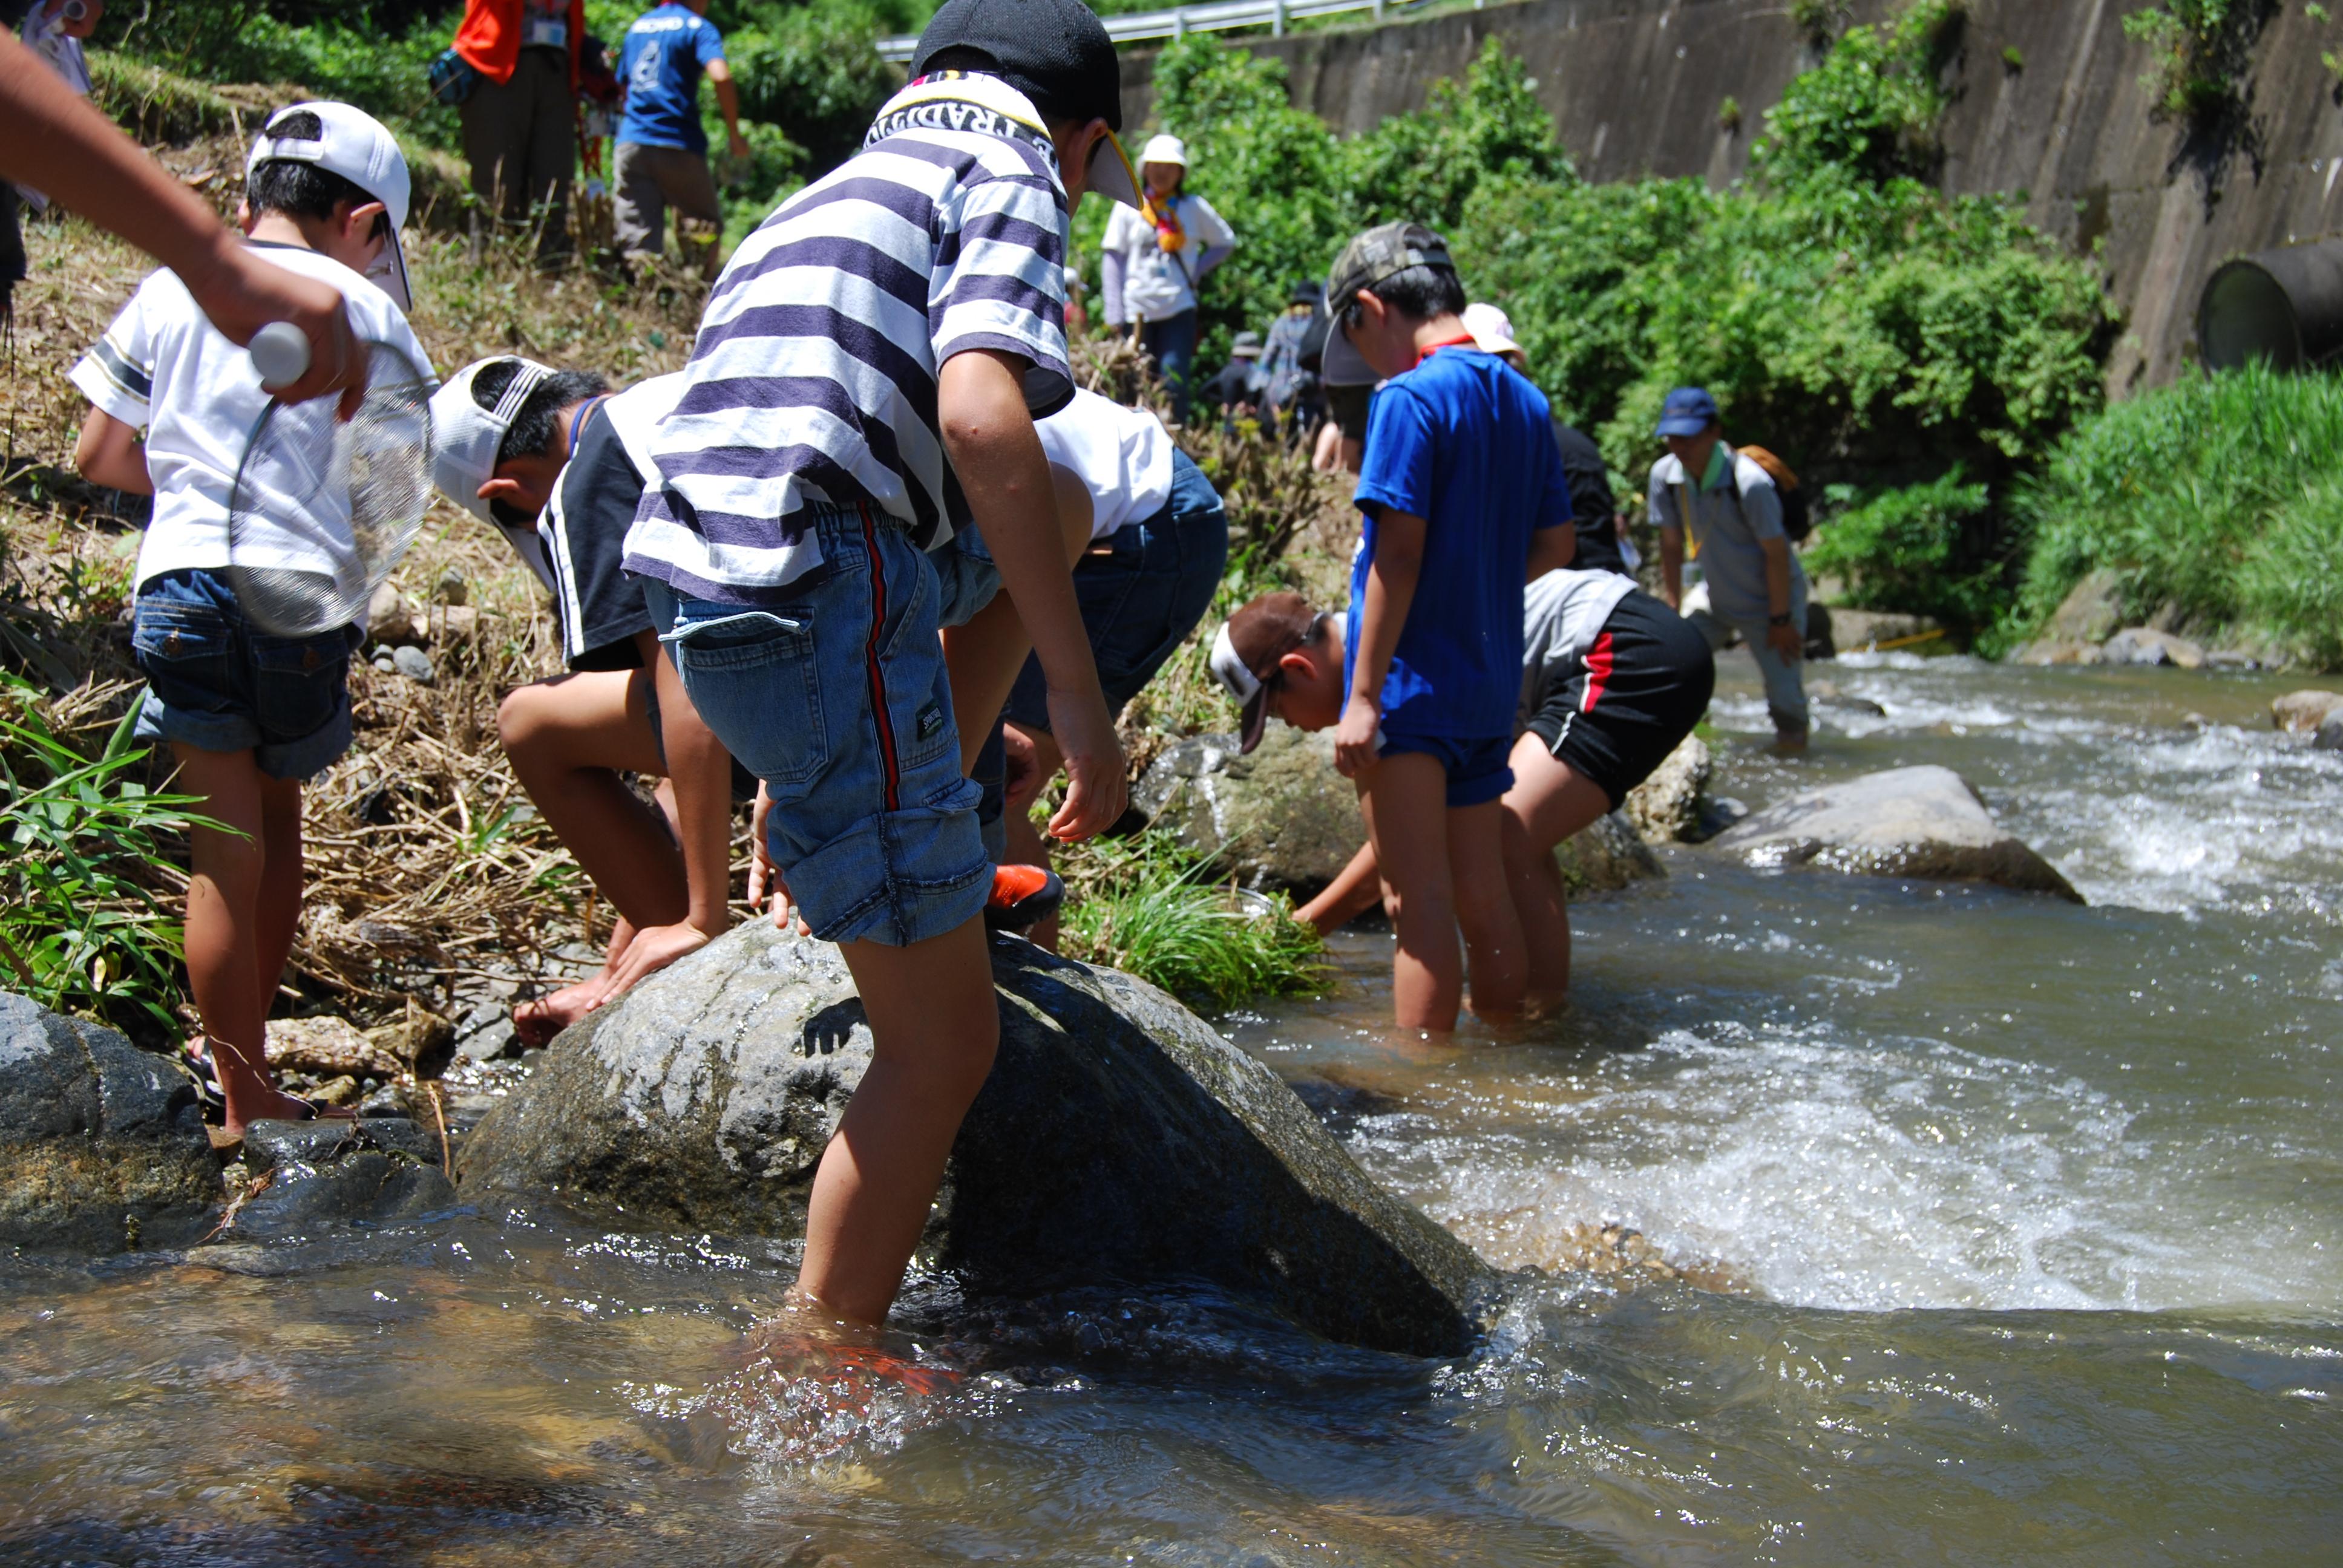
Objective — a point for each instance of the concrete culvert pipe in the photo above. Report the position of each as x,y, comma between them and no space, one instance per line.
2284,307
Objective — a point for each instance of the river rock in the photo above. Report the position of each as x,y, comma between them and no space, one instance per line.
1856,630
1665,809
1925,821
1282,818
1605,855
390,618
102,1145
2304,710
377,1171
328,1045
1118,1140
2146,645
2330,733
2090,612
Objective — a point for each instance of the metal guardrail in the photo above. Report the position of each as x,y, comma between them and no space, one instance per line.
1133,28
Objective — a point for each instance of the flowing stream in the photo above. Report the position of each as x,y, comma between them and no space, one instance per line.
2002,1231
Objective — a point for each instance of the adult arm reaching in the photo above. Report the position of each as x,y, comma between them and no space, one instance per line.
52,138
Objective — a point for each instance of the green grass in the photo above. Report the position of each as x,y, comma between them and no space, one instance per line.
1147,907
2220,497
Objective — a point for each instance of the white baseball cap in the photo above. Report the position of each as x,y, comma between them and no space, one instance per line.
464,436
1164,149
1492,329
356,145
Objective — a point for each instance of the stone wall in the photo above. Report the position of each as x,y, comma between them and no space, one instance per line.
1636,85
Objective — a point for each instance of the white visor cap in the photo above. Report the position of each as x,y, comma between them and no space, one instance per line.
1492,329
1164,149
356,145
464,436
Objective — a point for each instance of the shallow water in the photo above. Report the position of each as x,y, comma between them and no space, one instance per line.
2022,1219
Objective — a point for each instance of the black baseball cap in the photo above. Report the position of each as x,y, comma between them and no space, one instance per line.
1055,52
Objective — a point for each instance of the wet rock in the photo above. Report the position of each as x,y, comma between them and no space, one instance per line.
102,1145
1921,821
2304,710
1119,1139
2146,645
2089,613
1665,809
1606,855
2051,650
1826,695
1282,818
421,1042
2330,734
1860,630
390,619
376,1171
328,1046
492,1041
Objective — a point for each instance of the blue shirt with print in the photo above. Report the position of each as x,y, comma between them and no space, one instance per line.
665,52
1465,442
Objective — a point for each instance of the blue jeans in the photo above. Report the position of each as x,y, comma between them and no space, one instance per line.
1173,342
834,695
217,683
1142,592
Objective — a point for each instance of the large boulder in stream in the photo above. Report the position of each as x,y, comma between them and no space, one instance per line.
1283,818
102,1144
1922,821
1118,1140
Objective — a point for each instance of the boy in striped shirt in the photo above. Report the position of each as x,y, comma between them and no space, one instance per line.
864,386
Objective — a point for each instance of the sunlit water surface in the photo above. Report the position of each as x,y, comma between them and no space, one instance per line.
2025,1223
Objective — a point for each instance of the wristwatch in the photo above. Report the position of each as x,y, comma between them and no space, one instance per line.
1781,619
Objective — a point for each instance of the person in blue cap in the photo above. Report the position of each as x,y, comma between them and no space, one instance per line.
1720,509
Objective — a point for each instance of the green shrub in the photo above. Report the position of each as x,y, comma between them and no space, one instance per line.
1906,549
2218,496
80,928
2196,50
1146,906
1871,108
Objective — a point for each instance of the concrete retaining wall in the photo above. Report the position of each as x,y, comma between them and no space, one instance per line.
1636,85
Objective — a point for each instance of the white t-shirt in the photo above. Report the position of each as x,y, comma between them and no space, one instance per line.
1562,614
164,369
1122,456
1159,283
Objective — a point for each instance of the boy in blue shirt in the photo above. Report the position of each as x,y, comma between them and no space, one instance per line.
1464,500
662,157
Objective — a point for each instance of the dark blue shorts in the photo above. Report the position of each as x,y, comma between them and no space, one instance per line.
1479,771
1142,592
218,683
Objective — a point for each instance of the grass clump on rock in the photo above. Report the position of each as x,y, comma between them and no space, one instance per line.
1148,906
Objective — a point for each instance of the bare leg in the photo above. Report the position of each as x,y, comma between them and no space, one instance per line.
279,912
1484,908
226,927
934,1026
568,738
1548,803
1401,795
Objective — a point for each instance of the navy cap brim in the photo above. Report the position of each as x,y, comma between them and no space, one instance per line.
1682,426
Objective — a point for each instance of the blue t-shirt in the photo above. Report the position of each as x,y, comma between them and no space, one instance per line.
1465,442
665,52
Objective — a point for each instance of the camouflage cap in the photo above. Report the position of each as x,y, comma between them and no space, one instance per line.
1380,252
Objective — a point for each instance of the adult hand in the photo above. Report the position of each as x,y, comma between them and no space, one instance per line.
1354,737
242,292
650,951
1786,641
1095,782
739,145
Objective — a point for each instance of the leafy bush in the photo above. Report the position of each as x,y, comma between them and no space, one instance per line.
2196,49
80,928
1871,108
1907,549
2218,496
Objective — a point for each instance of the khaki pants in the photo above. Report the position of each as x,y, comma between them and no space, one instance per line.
520,137
652,179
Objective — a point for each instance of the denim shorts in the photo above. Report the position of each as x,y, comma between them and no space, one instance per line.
1479,770
966,578
218,683
834,694
1142,592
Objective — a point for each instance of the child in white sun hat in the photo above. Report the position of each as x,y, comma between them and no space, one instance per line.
1155,258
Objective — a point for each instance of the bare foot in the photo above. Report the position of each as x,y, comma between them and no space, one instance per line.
276,1105
538,1021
